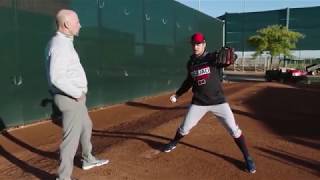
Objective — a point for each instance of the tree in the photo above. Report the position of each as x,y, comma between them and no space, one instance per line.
275,40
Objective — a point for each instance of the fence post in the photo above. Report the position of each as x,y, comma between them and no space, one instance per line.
255,64
242,61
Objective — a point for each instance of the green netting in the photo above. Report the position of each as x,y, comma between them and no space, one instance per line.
240,26
129,49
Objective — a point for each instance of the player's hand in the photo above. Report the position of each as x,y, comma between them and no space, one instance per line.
173,98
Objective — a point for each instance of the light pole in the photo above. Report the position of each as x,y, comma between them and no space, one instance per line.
199,5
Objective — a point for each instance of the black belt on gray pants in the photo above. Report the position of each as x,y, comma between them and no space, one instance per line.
64,94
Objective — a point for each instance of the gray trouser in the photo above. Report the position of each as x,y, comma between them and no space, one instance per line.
221,111
76,125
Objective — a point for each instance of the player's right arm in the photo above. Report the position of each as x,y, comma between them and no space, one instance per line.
186,85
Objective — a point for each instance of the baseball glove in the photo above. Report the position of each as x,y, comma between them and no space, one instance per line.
225,56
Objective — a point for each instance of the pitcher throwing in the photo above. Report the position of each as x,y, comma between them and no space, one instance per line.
204,78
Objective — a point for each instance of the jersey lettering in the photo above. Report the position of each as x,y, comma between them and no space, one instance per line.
201,82
201,73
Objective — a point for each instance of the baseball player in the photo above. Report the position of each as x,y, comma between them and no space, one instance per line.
68,84
203,76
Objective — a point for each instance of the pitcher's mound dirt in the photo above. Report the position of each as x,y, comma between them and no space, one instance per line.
280,123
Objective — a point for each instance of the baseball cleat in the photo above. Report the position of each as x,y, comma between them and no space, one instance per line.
169,147
251,167
92,164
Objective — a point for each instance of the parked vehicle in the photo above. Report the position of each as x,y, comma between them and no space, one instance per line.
286,75
313,69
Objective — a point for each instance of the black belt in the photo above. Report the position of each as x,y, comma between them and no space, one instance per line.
63,94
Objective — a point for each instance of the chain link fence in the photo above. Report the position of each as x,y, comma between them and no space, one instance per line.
261,63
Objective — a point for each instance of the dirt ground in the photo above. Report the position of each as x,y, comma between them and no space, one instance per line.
280,123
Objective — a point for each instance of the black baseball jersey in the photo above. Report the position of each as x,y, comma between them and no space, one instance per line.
205,79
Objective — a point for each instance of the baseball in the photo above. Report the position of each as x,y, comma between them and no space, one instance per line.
173,99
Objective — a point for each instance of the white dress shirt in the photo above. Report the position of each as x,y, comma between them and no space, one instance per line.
64,70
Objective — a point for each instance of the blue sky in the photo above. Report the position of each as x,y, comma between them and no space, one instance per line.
219,7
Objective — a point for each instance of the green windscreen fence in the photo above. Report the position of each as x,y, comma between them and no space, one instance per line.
306,21
128,48
240,26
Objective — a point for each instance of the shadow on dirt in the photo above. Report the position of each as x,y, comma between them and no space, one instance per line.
37,172
293,113
155,107
51,155
291,159
139,125
290,112
156,142
312,138
136,129
29,168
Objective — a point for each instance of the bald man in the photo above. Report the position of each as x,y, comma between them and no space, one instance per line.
68,84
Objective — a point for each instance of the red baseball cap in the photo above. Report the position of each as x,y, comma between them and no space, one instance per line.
197,38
